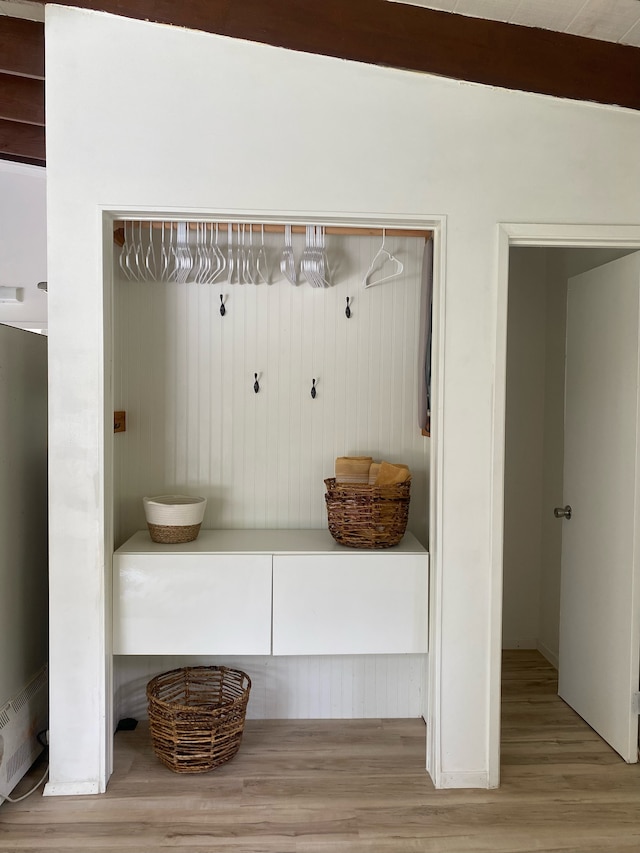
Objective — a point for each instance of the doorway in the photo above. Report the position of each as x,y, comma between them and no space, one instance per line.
534,439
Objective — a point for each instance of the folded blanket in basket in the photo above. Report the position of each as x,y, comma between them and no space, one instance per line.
389,474
353,469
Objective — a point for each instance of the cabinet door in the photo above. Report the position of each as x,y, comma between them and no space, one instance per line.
192,604
342,604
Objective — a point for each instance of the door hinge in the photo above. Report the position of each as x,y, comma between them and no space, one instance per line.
635,703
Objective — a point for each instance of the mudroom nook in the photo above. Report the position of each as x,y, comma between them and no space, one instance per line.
249,406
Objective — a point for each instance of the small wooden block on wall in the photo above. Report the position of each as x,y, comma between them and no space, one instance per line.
119,421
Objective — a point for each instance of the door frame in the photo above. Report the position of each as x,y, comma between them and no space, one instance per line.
543,236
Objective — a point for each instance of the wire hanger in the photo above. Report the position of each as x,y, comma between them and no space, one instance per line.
382,257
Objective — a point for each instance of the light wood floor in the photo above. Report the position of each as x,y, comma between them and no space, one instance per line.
354,786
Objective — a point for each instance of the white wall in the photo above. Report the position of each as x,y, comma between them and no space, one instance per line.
23,509
370,142
23,243
553,451
524,448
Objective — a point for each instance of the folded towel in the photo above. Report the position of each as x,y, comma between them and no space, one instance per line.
353,469
373,472
390,474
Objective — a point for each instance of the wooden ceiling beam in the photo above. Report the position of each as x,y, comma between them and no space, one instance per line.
31,161
23,141
22,99
412,38
21,47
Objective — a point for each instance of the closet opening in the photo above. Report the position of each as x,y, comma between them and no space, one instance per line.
249,356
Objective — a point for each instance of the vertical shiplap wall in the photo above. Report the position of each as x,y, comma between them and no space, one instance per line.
185,377
319,687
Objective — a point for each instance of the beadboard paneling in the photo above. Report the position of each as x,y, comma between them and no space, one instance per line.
185,376
319,687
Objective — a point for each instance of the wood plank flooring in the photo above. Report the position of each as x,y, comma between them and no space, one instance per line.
356,786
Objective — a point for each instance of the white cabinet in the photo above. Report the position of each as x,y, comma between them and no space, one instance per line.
374,603
230,591
177,603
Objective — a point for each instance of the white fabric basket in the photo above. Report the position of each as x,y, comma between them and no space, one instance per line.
174,510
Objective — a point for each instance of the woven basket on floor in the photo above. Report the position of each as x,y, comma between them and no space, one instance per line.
364,516
196,716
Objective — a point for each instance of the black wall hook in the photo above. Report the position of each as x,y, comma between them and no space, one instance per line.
256,384
313,389
223,310
347,310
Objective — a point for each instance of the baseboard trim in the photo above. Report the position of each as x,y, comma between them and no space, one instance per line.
463,779
546,652
71,789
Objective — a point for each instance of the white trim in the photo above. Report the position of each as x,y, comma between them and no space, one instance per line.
634,667
434,684
521,234
594,236
464,779
494,662
547,654
71,789
106,746
416,221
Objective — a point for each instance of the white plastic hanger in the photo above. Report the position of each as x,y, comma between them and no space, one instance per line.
386,257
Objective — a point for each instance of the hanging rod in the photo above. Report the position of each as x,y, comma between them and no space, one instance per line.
271,228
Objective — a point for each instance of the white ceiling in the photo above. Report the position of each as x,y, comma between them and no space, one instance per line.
608,20
22,9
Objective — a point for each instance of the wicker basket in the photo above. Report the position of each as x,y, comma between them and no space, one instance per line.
196,716
173,534
364,516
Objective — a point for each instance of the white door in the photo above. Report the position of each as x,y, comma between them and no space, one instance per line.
599,625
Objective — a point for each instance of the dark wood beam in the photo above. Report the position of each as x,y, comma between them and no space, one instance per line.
12,158
21,47
25,141
22,99
412,38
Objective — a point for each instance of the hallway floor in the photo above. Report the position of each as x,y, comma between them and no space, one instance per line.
350,786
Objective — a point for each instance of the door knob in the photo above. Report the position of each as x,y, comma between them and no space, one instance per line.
563,512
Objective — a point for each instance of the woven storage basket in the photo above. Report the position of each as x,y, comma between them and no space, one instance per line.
364,516
196,716
168,534
174,519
